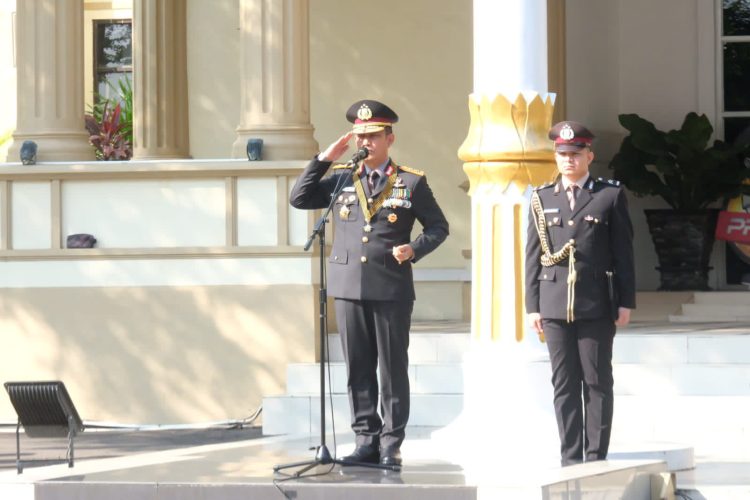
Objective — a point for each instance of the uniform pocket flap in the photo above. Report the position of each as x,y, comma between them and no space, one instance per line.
339,257
547,274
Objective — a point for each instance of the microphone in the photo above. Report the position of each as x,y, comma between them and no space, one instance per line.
357,157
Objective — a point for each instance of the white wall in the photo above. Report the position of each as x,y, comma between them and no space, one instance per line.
415,56
645,57
145,213
30,219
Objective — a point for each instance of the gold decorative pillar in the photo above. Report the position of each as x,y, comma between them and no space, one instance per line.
275,79
49,38
160,102
506,152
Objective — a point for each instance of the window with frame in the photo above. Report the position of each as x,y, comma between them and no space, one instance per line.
735,63
734,106
113,57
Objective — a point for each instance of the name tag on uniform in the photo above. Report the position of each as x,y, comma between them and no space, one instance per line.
551,210
348,189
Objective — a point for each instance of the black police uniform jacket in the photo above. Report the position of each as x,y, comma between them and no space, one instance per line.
361,265
601,227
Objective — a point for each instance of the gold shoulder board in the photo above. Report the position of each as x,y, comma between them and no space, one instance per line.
339,167
411,170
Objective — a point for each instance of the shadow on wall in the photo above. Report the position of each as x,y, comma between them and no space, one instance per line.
157,354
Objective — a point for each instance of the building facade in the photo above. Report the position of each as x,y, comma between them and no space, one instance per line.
183,308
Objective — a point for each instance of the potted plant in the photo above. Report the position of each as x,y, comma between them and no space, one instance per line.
110,122
694,177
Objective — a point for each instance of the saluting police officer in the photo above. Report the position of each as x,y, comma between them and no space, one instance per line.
370,271
580,285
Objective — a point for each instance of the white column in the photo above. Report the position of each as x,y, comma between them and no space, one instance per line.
160,103
506,151
275,79
510,46
49,45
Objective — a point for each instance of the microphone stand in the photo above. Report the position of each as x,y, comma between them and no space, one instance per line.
323,455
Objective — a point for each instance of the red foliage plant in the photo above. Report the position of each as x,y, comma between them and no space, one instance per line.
109,136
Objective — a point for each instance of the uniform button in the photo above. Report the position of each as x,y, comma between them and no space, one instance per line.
544,276
570,222
369,200
365,239
335,257
363,259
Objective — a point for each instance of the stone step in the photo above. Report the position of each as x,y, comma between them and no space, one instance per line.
706,318
639,379
722,298
423,347
716,312
706,421
444,378
667,385
630,347
301,414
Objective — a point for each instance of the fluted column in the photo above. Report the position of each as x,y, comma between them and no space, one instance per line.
49,45
506,151
275,79
160,101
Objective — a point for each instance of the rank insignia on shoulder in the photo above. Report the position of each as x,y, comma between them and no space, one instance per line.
411,170
611,182
341,167
544,186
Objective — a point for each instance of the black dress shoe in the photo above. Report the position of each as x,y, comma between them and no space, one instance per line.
390,456
363,454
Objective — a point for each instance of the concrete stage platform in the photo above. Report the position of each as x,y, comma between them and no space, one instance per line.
238,464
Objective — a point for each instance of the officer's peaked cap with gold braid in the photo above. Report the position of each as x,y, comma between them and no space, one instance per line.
370,116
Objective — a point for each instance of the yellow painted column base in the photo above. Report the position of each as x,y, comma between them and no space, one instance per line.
506,152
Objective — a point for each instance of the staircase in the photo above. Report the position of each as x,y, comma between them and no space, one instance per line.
672,383
716,307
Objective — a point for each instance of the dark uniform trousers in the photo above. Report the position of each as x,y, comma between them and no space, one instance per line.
581,350
374,294
372,332
581,358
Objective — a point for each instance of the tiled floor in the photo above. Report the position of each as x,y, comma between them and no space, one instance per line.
241,457
236,464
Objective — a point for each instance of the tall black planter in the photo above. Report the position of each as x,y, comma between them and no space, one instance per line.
683,242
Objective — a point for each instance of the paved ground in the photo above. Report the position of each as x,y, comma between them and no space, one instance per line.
95,444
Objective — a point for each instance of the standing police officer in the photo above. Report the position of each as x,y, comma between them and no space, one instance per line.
580,285
370,271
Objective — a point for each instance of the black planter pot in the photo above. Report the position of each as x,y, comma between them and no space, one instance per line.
683,241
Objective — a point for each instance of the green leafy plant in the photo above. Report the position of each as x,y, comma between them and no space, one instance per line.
107,135
110,123
679,165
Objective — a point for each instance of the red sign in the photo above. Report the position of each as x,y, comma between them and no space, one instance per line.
733,226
